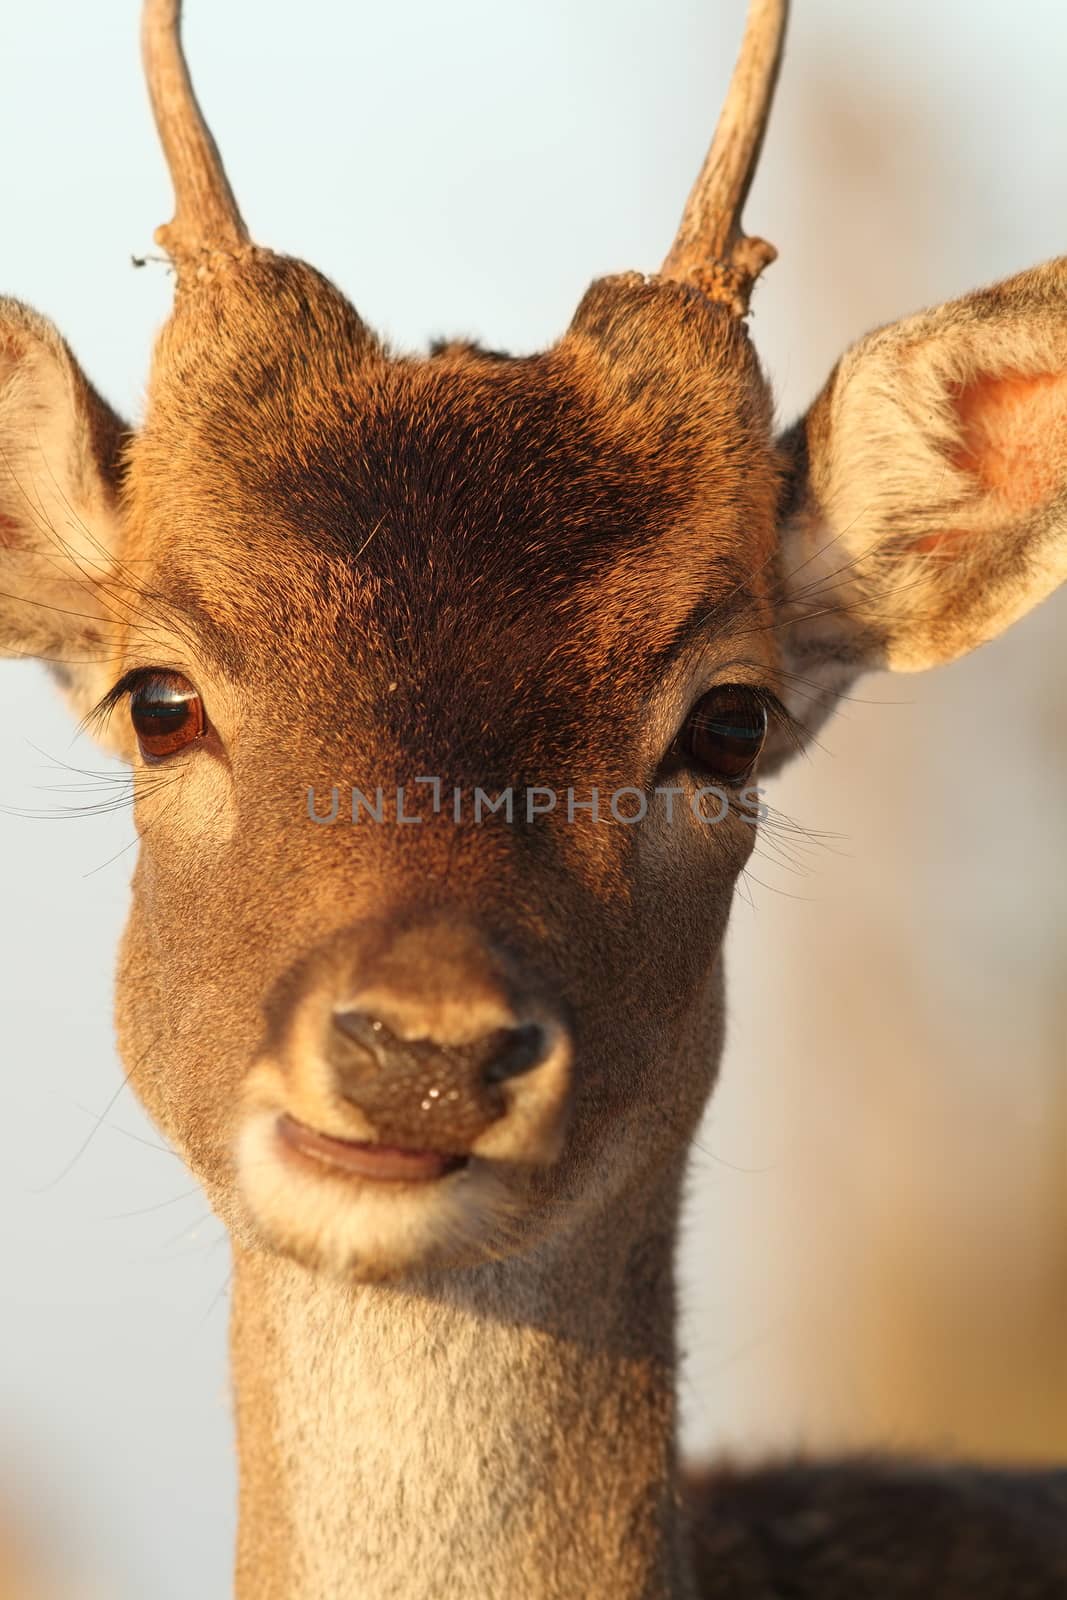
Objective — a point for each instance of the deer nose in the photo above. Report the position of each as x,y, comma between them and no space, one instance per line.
424,1032
426,1092
368,1048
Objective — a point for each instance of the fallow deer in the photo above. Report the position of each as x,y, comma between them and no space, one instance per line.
436,1055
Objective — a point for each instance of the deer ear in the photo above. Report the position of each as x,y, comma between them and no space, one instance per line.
60,452
928,506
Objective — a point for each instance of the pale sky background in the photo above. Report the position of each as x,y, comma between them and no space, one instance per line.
468,168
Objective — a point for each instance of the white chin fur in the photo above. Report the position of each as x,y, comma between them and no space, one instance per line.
362,1230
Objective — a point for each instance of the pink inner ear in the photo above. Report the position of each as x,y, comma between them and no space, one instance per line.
1013,440
1014,436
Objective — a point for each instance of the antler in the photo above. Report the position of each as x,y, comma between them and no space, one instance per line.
710,249
206,217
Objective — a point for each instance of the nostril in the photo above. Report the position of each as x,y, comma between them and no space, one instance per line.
359,1047
358,1027
520,1049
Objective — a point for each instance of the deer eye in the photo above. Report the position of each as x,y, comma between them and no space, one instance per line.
724,732
167,714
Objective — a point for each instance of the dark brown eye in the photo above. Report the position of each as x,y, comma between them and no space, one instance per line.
167,714
724,733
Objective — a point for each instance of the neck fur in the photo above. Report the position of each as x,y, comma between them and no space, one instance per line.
508,1430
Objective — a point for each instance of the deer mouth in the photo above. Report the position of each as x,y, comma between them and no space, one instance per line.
364,1159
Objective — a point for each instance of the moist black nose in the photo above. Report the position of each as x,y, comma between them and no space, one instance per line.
365,1048
436,1033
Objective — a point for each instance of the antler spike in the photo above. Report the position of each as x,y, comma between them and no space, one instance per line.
710,249
206,217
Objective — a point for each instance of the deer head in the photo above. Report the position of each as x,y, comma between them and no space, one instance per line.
591,579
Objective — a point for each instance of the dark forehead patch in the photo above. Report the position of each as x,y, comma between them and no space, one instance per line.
505,475
504,481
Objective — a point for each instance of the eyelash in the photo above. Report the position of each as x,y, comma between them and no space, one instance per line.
97,719
778,714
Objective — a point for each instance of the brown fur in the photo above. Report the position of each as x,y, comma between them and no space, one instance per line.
832,1531
500,572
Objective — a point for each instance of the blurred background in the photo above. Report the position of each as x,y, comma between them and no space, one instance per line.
876,1244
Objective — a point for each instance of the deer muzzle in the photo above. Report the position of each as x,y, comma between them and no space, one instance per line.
419,1035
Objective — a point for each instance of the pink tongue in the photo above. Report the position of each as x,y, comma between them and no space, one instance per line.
385,1162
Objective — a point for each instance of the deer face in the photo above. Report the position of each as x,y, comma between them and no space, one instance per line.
590,581
382,1041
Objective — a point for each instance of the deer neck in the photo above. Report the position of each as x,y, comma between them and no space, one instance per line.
504,1431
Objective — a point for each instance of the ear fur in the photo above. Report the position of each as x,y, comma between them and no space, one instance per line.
60,467
928,507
